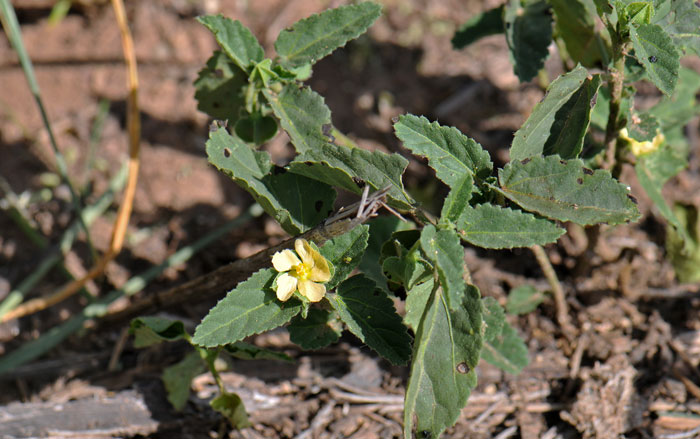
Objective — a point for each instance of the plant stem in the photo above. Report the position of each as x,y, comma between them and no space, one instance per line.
557,290
616,83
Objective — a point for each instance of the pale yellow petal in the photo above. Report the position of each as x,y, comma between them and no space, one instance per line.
311,290
284,260
304,251
286,285
320,272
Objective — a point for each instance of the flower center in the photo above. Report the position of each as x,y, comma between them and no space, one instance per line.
303,271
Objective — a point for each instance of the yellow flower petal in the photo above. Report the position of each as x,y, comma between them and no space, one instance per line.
311,290
285,260
286,285
304,251
320,272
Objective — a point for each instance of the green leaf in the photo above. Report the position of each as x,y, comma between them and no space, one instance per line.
567,191
491,226
677,110
231,406
445,355
528,33
352,168
380,230
443,249
402,261
558,124
251,308
576,25
506,351
601,109
684,251
312,38
653,170
298,203
219,88
369,314
256,128
654,48
316,331
407,270
152,330
247,351
345,252
494,318
416,301
178,378
449,152
640,12
642,127
479,26
681,20
302,114
263,73
524,299
235,39
457,200
603,7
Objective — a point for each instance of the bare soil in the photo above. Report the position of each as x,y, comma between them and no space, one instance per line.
631,369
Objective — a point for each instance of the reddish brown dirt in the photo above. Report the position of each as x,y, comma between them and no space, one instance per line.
633,369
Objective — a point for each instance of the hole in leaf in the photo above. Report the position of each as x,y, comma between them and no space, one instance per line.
652,59
227,152
463,368
579,180
587,171
632,199
525,161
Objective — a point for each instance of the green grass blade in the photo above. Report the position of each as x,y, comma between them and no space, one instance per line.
56,335
11,27
90,213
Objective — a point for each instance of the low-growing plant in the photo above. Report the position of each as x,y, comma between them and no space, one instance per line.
337,273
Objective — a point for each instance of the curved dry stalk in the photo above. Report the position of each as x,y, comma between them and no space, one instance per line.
557,290
122,221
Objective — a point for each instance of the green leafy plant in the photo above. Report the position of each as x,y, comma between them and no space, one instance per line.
557,174
640,40
149,331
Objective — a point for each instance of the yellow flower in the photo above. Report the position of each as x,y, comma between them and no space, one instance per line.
304,274
641,148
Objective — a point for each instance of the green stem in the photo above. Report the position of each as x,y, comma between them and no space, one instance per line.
616,81
557,289
210,356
